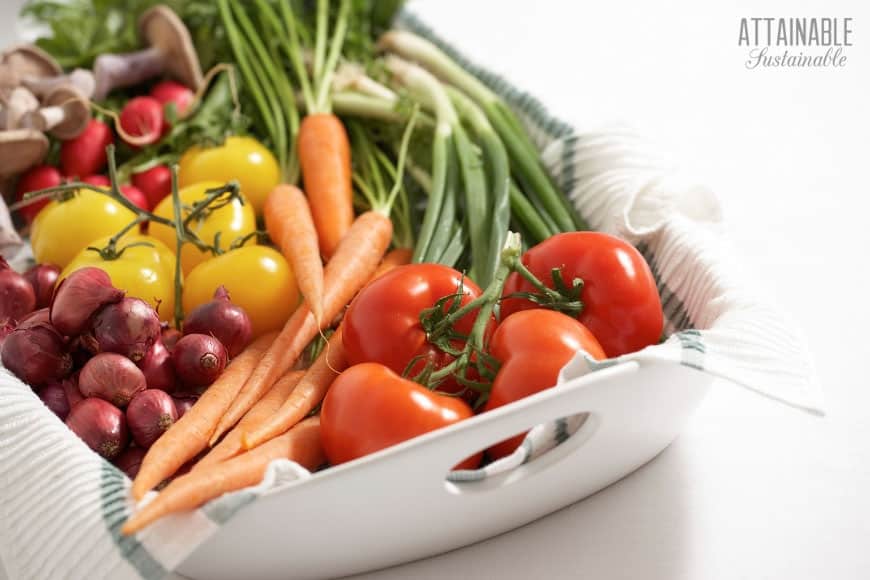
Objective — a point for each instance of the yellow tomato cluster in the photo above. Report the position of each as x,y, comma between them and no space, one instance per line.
258,278
241,158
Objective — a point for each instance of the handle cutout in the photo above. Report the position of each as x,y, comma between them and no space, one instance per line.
562,437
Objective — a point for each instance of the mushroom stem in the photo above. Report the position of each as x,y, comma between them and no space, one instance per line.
115,71
81,79
44,119
65,113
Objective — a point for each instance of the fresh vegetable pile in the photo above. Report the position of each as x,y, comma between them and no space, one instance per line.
333,240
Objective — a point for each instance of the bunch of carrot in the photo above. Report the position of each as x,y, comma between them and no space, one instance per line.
259,391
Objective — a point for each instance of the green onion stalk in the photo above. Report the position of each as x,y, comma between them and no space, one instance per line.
265,79
438,219
373,170
524,156
497,213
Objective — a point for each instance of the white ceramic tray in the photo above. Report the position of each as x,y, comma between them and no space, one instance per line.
396,506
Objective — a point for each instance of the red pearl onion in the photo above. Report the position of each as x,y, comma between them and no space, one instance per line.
37,355
100,425
149,415
43,278
128,327
79,296
112,377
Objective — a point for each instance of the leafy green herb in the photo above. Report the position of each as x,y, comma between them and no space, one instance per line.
81,30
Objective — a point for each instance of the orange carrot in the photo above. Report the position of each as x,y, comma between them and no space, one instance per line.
190,434
307,394
396,257
289,223
301,444
231,444
324,155
355,260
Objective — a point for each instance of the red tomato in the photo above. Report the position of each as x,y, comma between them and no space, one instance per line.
621,304
86,154
383,325
369,408
533,346
39,177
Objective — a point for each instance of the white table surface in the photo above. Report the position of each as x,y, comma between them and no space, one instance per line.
752,489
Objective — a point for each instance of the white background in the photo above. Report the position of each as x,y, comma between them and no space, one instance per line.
751,489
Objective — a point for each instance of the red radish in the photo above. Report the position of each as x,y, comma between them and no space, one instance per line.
142,119
100,425
135,195
112,377
86,154
43,278
130,460
55,399
98,180
79,296
171,92
155,183
131,192
157,367
17,297
183,405
39,177
129,327
149,415
199,359
223,320
36,355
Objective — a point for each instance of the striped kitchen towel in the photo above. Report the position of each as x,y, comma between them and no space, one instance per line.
62,505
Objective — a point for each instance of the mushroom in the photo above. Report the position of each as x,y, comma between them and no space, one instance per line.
65,113
170,50
21,149
17,104
81,79
9,79
29,61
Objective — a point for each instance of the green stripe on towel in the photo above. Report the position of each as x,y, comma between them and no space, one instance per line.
113,502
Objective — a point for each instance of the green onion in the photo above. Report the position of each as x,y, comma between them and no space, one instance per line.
523,154
498,166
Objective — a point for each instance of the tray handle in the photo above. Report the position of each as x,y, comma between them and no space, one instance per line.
430,457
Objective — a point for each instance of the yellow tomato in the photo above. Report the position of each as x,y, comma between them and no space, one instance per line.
233,221
258,279
64,228
146,272
240,158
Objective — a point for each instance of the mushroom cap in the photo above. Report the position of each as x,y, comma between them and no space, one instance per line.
162,28
21,149
9,79
31,61
17,104
77,111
